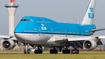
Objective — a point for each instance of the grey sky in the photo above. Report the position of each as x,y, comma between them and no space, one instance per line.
58,10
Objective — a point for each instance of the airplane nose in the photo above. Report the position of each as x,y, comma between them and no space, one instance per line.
17,35
19,28
20,37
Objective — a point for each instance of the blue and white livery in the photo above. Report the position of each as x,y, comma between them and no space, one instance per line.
41,31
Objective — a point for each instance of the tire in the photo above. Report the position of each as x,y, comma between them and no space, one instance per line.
38,51
74,51
53,52
28,51
34,51
66,51
77,51
25,51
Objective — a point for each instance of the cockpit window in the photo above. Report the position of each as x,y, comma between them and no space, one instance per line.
25,20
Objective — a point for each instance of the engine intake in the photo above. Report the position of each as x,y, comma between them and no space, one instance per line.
89,44
8,44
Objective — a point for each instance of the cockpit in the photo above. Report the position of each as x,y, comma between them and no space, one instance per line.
25,20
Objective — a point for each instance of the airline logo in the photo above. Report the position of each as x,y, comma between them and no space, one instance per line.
91,14
43,27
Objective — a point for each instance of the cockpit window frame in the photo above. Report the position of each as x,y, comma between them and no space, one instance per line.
25,20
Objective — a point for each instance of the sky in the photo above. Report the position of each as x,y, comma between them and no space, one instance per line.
58,10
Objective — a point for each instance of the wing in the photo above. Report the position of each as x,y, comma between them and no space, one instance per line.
8,37
9,42
4,36
77,38
81,41
74,38
101,37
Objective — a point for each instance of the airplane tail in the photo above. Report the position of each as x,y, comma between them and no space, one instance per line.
89,16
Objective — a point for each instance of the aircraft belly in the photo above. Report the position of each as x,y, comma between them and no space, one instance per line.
32,38
39,38
22,37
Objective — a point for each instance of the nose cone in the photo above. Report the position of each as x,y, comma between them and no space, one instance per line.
19,30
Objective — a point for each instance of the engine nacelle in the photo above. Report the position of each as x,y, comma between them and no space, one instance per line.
89,44
8,44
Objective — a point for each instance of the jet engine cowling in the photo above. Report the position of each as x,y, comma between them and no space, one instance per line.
8,44
89,44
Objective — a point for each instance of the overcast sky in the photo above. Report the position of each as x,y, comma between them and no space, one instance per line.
58,10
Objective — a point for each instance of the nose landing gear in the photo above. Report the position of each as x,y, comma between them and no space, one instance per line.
26,50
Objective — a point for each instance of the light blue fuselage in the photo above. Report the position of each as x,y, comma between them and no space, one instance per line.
47,26
41,25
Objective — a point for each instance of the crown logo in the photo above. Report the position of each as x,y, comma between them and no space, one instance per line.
91,9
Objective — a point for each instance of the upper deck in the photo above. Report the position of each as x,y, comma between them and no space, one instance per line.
30,24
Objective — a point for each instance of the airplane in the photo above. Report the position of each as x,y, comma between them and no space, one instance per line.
41,31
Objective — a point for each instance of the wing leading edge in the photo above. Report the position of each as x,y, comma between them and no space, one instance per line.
8,37
77,38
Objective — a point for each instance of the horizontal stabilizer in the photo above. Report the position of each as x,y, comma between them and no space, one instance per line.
98,30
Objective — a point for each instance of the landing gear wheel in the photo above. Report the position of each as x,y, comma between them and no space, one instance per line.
38,51
28,51
25,51
53,52
74,51
77,52
66,51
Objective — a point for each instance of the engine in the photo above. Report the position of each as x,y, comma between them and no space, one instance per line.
89,44
8,44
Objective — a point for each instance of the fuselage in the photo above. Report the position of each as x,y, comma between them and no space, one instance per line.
39,30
